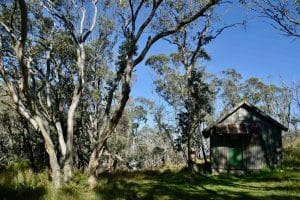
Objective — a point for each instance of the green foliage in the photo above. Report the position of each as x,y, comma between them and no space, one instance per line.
18,182
127,48
63,46
17,165
277,101
159,63
171,85
291,155
25,184
252,90
231,88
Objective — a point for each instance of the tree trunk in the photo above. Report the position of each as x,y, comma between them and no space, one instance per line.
29,146
68,164
50,149
93,165
200,127
55,169
191,155
29,112
92,168
61,140
38,124
204,155
111,123
191,151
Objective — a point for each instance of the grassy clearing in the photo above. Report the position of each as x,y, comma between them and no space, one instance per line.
155,185
183,185
20,182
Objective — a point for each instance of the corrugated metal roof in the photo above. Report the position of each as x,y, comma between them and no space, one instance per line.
248,106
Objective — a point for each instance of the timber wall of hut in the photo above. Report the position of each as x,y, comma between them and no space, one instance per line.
259,139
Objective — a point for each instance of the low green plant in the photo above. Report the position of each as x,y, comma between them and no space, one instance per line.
291,155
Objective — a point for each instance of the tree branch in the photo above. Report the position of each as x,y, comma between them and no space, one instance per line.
93,21
155,5
173,30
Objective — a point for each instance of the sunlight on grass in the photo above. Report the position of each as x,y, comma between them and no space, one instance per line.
182,185
156,185
169,184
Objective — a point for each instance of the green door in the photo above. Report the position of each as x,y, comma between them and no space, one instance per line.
235,157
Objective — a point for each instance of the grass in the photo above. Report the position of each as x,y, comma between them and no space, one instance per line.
184,185
20,182
284,184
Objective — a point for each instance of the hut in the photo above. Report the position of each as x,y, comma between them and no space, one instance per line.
244,139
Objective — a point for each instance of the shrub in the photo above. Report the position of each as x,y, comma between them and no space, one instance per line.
291,155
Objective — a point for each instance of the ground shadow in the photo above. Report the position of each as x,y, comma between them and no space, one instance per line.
184,185
9,190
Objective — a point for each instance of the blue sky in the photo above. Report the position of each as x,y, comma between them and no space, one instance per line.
255,51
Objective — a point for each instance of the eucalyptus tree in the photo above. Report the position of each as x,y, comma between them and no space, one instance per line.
189,97
252,91
230,88
295,88
16,72
275,100
167,130
37,73
283,15
138,20
31,52
19,142
15,143
124,143
79,34
182,82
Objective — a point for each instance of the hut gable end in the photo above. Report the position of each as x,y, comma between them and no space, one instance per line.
245,139
241,117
